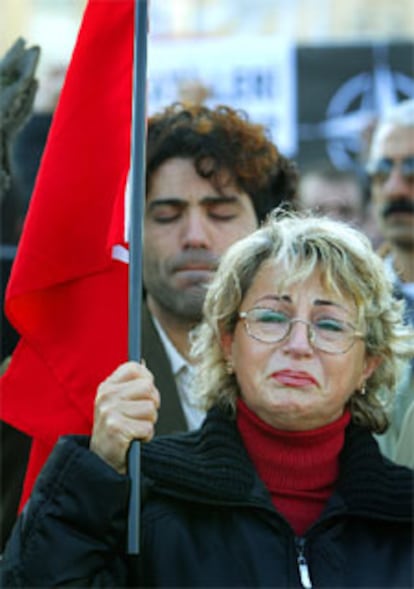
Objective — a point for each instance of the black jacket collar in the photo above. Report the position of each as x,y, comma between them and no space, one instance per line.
211,464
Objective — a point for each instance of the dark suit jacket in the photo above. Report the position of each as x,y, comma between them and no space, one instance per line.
171,416
15,446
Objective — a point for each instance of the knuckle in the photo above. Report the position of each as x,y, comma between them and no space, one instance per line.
112,425
147,430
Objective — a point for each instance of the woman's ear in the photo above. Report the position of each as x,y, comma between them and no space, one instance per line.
226,340
371,364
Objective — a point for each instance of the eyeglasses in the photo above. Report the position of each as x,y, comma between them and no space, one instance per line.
382,169
327,334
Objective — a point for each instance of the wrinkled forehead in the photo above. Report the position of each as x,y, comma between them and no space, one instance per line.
393,141
282,276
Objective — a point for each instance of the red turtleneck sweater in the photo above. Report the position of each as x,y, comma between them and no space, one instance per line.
299,468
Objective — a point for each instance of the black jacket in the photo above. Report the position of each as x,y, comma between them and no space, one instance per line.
208,521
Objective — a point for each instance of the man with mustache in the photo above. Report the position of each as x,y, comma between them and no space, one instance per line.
391,169
212,176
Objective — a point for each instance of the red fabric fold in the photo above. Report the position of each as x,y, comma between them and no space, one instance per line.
66,296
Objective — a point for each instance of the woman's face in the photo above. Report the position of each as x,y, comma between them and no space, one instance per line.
291,384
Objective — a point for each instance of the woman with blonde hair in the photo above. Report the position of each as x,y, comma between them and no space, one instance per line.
283,485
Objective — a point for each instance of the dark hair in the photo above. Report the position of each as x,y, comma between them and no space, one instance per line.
223,139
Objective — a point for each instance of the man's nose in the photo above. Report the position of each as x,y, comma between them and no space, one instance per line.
195,230
396,185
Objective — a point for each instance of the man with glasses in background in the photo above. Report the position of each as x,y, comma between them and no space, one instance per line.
391,170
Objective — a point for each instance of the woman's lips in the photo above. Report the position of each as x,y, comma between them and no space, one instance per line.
293,378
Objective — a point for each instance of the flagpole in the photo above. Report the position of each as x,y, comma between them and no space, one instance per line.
137,203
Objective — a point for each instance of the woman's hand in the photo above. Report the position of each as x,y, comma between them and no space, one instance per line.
126,407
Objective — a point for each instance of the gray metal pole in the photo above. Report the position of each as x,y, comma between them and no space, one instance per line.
137,205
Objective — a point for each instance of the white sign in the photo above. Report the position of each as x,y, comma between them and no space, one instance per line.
255,74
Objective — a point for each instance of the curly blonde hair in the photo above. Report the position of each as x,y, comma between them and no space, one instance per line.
349,266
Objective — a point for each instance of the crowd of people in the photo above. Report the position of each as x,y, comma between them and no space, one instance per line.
277,384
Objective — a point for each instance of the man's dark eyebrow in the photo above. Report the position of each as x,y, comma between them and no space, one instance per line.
168,201
182,203
220,199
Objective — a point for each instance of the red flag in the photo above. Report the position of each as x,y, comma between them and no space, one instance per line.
67,296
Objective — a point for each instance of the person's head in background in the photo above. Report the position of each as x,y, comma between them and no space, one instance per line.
212,177
339,194
336,193
391,170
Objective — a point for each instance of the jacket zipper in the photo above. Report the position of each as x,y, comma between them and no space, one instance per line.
302,563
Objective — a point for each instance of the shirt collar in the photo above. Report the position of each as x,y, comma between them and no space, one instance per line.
177,361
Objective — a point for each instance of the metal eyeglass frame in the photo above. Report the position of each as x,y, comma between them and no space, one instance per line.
243,315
